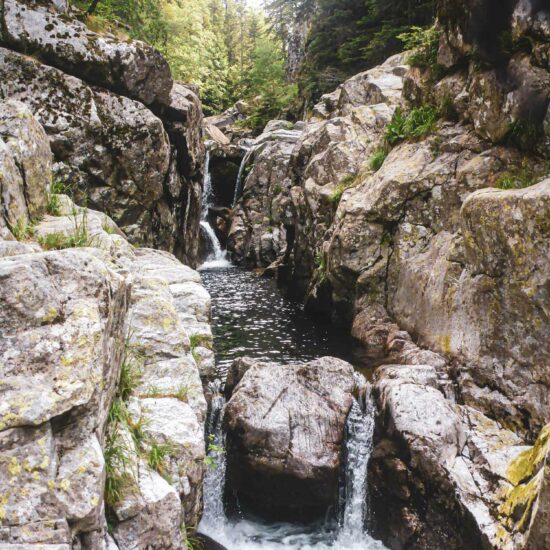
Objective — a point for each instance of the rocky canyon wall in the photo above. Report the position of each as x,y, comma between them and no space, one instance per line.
103,341
434,250
126,139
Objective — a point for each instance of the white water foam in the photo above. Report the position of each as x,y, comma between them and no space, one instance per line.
250,534
218,257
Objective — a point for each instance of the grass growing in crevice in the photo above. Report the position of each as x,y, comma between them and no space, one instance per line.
320,266
523,176
524,134
424,45
377,159
344,184
23,230
416,124
79,238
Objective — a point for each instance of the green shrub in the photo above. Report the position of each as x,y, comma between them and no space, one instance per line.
415,125
518,178
377,159
424,44
524,134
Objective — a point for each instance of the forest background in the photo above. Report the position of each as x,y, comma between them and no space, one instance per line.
278,55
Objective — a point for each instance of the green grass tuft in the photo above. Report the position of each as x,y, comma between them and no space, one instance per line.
345,183
377,159
417,124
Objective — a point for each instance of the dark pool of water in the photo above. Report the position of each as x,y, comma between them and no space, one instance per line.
252,317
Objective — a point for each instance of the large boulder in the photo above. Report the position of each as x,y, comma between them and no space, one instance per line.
445,475
285,429
131,68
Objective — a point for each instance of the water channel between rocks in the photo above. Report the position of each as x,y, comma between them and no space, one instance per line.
252,318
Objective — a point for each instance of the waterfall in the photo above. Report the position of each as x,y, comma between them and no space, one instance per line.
354,507
213,520
240,177
253,535
218,257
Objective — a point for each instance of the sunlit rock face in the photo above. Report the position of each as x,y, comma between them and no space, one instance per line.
76,301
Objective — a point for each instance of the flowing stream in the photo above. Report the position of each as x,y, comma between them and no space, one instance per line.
251,317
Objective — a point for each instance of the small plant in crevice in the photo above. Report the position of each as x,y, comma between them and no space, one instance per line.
418,123
424,45
524,134
209,460
517,178
321,267
377,159
158,455
22,230
78,238
277,189
347,182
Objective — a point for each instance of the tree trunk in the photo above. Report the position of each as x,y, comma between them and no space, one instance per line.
92,7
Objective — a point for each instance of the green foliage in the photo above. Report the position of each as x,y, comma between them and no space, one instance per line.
22,229
212,451
277,189
78,238
418,123
158,455
517,178
117,456
424,45
265,83
377,159
349,36
525,134
345,183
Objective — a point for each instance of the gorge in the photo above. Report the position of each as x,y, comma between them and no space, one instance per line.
330,333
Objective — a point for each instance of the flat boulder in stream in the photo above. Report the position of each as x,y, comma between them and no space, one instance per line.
285,429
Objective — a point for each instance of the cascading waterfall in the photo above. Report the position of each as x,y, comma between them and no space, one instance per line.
252,535
240,177
217,257
213,519
354,507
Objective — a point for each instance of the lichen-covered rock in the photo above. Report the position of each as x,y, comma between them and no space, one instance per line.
447,470
150,517
28,144
62,325
285,429
131,68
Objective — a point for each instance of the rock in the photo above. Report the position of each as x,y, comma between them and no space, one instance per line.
257,235
447,469
216,135
285,428
131,68
28,144
62,327
152,517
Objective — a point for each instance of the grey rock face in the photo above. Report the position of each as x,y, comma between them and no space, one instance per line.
257,236
62,328
285,429
131,68
25,159
450,472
